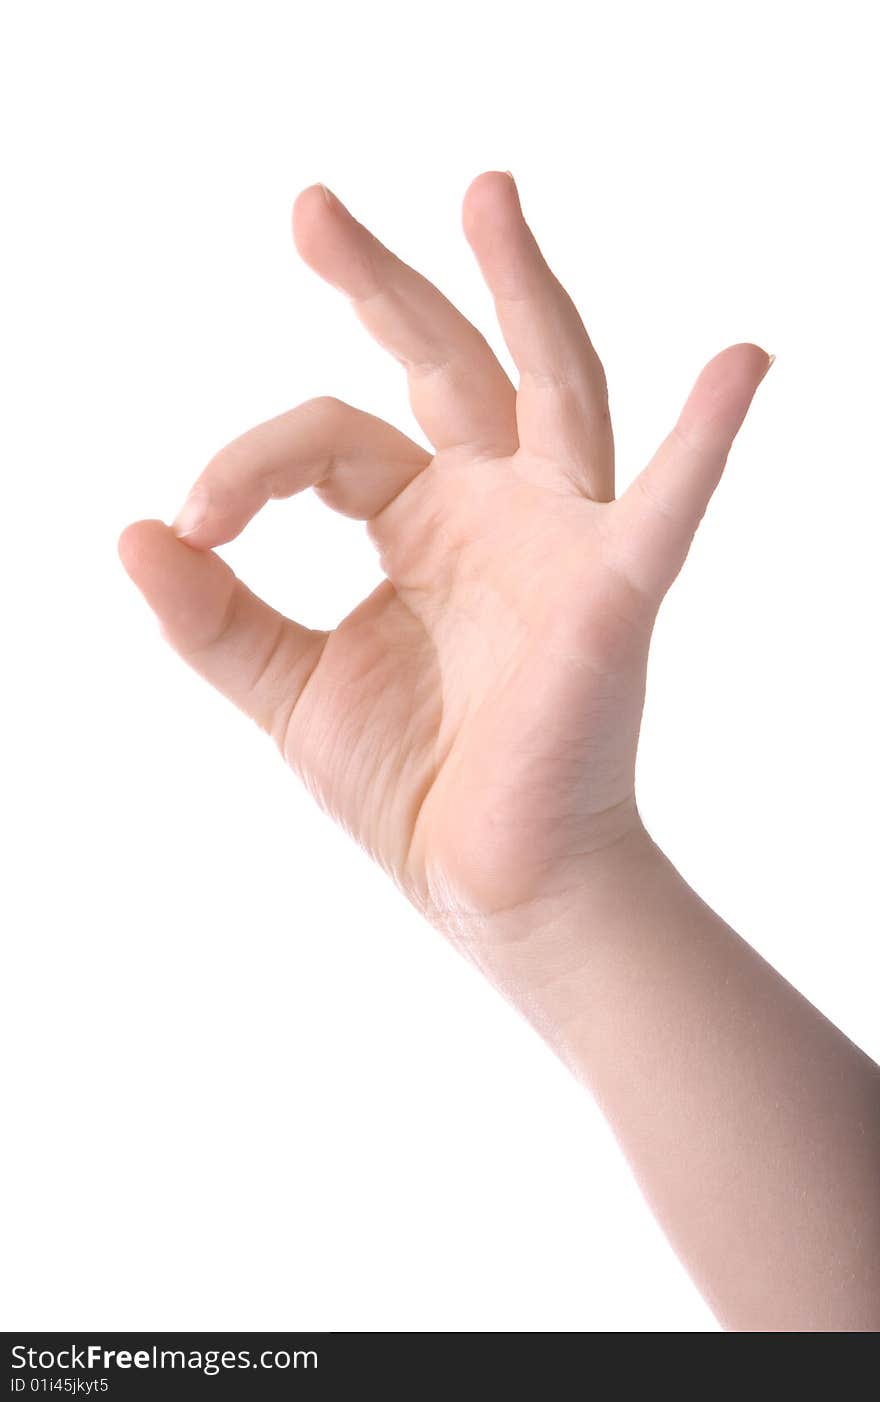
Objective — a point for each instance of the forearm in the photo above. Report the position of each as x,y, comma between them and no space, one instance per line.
751,1123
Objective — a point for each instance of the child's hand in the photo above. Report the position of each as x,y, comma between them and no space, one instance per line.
474,721
474,724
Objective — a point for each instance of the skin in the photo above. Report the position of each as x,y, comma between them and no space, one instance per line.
473,724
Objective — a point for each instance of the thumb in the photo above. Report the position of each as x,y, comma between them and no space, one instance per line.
661,509
255,656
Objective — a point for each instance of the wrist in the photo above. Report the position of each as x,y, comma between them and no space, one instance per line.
538,951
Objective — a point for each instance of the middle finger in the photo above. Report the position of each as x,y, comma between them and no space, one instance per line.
459,392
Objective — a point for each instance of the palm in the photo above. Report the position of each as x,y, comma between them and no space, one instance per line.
448,710
473,723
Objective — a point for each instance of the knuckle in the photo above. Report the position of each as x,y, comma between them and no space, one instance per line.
654,497
323,407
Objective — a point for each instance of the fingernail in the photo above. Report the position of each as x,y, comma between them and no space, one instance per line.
328,194
770,360
191,514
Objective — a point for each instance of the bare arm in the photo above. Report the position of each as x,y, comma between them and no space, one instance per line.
751,1123
473,724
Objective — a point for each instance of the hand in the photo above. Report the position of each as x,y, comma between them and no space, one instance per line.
474,722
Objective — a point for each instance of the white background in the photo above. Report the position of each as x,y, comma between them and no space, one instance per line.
245,1087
